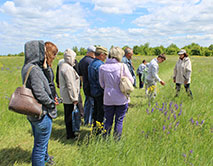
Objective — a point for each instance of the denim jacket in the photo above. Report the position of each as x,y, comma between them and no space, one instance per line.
93,77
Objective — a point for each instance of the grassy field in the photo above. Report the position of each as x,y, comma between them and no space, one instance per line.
171,131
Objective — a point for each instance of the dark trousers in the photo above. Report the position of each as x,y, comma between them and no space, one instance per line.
118,112
187,88
98,113
68,108
140,81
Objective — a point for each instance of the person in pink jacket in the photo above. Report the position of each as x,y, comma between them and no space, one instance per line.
115,102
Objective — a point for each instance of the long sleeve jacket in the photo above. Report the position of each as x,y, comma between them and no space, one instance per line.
183,70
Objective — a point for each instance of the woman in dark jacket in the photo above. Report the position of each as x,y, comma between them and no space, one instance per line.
38,83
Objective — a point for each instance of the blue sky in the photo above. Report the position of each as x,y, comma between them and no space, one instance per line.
82,23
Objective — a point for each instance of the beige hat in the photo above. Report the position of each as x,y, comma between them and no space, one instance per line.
182,51
100,49
117,53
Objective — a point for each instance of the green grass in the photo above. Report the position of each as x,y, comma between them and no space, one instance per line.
143,143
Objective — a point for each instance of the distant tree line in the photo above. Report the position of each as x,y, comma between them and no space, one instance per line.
172,49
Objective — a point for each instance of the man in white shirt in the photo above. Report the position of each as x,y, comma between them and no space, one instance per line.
152,77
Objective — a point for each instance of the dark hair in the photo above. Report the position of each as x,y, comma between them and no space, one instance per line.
162,56
143,61
185,55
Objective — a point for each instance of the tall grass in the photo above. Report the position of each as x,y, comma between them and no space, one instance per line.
180,133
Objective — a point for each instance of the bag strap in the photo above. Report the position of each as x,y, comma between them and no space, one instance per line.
122,66
27,75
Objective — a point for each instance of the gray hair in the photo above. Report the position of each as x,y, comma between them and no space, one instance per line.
127,50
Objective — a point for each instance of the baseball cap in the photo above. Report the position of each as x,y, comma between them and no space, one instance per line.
91,49
100,49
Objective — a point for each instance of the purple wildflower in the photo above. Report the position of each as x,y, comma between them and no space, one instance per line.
176,125
164,127
2,68
184,155
176,106
202,122
160,109
180,112
174,117
163,106
197,123
165,113
168,117
7,68
142,132
172,110
147,110
170,104
191,151
168,132
156,103
152,109
192,120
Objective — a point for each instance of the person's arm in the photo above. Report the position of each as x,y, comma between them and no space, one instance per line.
38,89
175,73
101,78
70,77
127,73
57,76
154,73
188,71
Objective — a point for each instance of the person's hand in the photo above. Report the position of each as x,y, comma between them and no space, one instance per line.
185,82
162,83
45,62
75,102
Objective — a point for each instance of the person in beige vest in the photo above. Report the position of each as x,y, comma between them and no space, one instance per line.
69,82
182,72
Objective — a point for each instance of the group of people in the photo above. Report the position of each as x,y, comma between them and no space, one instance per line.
103,97
148,74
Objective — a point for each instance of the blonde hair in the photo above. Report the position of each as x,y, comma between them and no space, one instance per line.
117,53
50,52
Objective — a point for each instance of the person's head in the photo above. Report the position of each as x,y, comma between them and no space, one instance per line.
128,53
51,51
144,62
161,58
101,53
117,53
182,54
91,51
69,56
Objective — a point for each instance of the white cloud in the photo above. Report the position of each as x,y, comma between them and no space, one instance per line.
71,23
48,19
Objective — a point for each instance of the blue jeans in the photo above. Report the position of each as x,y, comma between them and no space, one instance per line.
41,132
88,109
